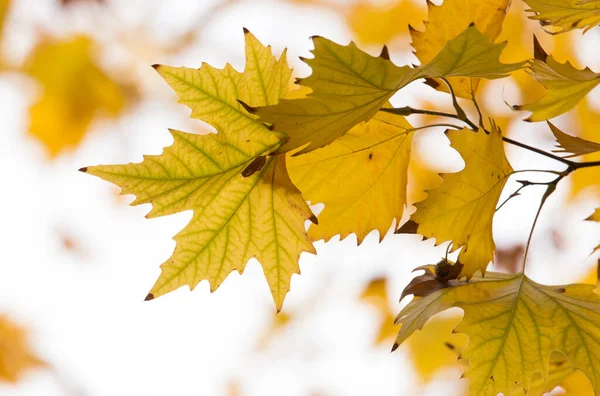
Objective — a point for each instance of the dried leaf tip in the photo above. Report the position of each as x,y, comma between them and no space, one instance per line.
247,107
155,66
84,169
395,346
314,219
385,53
538,51
149,297
471,24
246,31
410,227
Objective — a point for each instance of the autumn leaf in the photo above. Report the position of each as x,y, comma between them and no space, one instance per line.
487,16
379,24
565,15
15,355
238,214
587,179
514,324
73,90
349,86
361,178
565,85
375,294
461,209
572,145
595,216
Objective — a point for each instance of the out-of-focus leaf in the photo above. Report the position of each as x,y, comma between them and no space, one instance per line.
379,24
595,216
361,178
587,179
15,355
487,16
564,15
73,90
350,86
565,86
462,207
572,145
376,295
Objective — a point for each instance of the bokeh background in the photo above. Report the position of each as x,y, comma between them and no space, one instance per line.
77,89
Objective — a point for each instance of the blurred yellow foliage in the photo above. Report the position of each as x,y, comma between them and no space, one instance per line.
587,178
15,357
379,24
74,89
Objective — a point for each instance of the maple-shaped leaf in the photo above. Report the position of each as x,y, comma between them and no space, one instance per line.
15,355
514,324
461,209
565,15
361,178
487,16
73,91
245,206
572,145
565,85
349,86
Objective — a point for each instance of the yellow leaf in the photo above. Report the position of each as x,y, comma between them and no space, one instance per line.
361,178
349,86
572,145
565,15
462,207
487,16
565,86
15,356
587,179
238,214
376,295
379,24
73,91
514,324
595,216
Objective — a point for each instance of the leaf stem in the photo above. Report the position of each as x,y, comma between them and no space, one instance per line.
549,190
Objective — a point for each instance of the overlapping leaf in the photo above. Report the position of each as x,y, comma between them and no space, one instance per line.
349,86
238,215
461,209
514,324
361,178
565,86
572,145
565,15
487,16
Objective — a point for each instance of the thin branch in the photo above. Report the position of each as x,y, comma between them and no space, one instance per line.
538,151
549,190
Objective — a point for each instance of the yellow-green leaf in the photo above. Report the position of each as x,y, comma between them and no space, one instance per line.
349,86
487,16
238,214
565,86
213,94
461,209
565,15
572,145
514,324
360,177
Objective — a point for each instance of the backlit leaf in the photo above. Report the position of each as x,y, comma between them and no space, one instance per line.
361,178
514,324
487,16
565,15
572,145
565,86
350,86
462,207
587,180
238,215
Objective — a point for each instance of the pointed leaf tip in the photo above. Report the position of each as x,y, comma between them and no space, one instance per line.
246,31
247,107
538,51
314,219
84,169
394,347
410,227
155,66
149,297
385,53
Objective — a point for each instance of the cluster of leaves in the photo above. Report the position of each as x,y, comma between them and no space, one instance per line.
337,140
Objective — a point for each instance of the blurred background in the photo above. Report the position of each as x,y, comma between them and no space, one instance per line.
77,89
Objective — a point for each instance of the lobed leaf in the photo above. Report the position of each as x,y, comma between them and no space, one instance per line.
461,209
565,86
361,178
514,324
565,15
349,86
